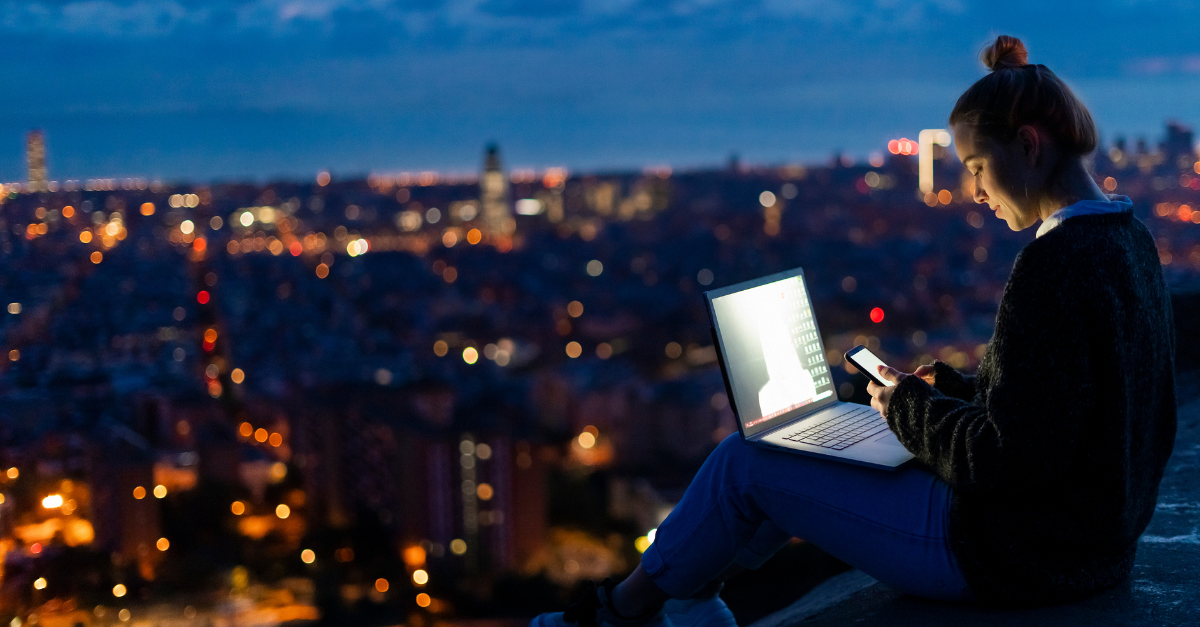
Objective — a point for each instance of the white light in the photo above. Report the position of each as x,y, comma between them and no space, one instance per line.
467,212
357,247
247,218
943,138
529,207
52,501
187,227
766,199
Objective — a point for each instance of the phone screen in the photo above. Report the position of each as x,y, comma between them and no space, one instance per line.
868,364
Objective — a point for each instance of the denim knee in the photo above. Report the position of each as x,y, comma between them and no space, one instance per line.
730,452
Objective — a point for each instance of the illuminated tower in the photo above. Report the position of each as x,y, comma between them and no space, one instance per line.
493,195
925,141
35,154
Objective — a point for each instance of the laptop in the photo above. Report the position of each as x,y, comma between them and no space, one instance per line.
778,379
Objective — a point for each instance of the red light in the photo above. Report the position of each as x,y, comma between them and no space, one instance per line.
35,548
295,248
199,245
877,315
208,346
202,297
894,147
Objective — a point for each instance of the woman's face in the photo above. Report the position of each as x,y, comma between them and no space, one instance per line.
1002,176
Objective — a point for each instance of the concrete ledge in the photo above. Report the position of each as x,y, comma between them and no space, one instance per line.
1163,590
819,599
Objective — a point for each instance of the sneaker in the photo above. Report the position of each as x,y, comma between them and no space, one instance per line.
593,609
706,611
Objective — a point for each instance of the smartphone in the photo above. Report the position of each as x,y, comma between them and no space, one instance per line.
867,363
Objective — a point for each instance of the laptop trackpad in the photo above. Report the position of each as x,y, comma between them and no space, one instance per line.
888,438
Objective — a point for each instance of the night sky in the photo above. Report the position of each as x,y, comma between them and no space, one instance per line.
201,91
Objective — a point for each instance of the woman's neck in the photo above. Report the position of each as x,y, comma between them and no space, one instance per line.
1074,184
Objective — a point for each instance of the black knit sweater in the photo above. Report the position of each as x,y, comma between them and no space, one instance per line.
1056,447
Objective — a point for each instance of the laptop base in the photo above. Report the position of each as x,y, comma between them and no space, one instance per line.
881,451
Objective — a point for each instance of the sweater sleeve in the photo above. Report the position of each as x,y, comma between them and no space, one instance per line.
1038,397
953,383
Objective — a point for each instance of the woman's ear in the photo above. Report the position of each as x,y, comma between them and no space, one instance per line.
1031,144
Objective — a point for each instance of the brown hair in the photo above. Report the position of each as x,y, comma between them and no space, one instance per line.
1016,93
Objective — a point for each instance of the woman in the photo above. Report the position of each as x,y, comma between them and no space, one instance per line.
1036,475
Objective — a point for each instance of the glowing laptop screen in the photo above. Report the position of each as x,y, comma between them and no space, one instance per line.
772,349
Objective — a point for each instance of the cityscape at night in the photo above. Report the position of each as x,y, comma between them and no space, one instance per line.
503,313
420,398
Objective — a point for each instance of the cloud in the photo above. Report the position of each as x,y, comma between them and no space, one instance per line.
1153,66
160,18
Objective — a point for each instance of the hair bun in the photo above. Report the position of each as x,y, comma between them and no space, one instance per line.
1005,52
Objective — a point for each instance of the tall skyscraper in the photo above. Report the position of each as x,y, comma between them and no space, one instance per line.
1178,148
925,141
35,154
493,195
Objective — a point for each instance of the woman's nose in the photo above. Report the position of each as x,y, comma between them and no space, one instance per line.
981,196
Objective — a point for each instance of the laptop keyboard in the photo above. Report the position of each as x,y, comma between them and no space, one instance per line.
843,431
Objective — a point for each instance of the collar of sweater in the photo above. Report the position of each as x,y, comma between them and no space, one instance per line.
1116,203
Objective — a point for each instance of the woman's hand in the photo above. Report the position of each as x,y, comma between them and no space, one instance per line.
928,373
881,396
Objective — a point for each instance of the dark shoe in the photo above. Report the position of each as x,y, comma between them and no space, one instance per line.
594,609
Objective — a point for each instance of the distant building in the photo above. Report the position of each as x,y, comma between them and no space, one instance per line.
126,514
1178,148
493,195
35,155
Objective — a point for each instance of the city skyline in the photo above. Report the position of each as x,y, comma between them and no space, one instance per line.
468,175
260,90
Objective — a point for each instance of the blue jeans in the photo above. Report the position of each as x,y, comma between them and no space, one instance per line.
747,501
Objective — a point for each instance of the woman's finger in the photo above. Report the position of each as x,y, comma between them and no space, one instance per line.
889,373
